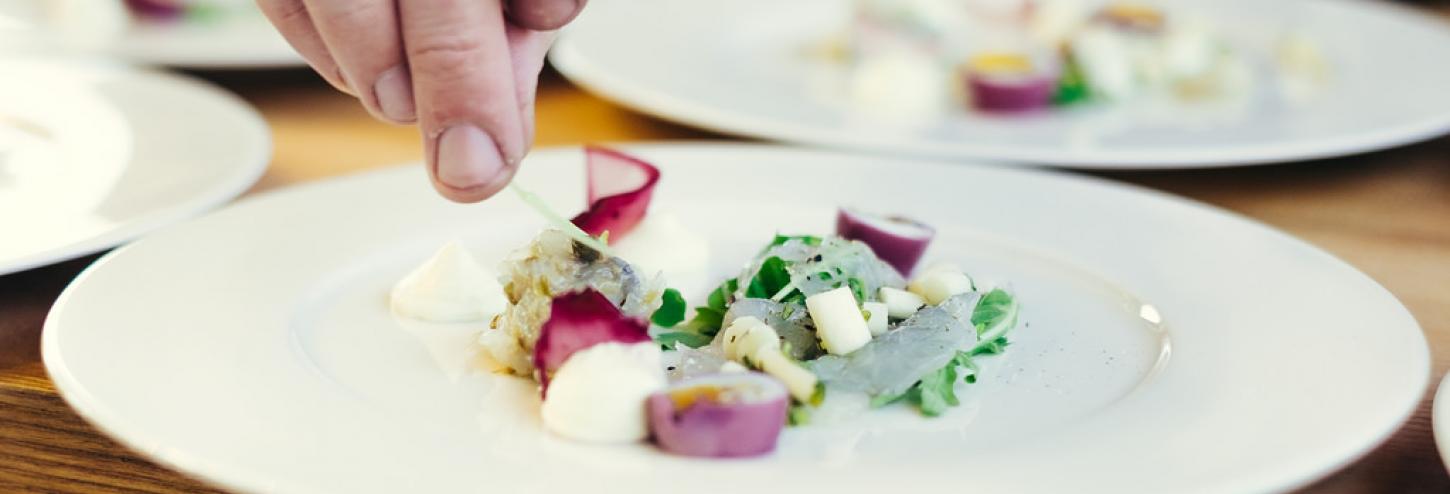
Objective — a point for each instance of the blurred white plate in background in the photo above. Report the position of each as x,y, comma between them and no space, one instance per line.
92,156
740,67
240,40
1440,420
254,347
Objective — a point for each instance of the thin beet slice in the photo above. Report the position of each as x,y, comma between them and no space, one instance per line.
578,321
620,188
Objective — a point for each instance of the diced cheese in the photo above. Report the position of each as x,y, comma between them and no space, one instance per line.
839,322
900,304
936,286
876,318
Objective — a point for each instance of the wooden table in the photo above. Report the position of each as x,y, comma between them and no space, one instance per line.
1387,213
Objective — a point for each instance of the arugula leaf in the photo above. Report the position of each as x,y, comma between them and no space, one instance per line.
711,316
935,392
995,305
690,339
993,347
720,298
799,414
994,316
672,311
771,278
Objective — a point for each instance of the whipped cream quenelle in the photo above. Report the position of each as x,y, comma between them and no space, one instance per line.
598,394
450,287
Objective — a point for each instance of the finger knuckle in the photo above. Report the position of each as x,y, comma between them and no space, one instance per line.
445,54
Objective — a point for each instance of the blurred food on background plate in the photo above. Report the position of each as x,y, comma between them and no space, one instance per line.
1022,56
198,10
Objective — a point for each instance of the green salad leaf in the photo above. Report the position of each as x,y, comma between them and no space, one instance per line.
668,339
995,315
671,311
936,392
701,329
772,277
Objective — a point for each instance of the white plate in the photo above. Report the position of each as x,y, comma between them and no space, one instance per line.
92,156
737,67
254,348
237,41
1440,420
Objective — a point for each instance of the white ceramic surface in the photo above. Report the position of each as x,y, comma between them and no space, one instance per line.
92,156
740,67
1440,420
1167,346
240,41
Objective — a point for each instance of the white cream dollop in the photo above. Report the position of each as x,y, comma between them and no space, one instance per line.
662,244
599,394
901,84
450,287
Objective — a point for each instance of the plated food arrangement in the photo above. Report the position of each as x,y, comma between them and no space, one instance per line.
328,364
201,34
1031,55
811,323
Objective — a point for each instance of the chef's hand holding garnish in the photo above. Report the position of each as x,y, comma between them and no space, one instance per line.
464,70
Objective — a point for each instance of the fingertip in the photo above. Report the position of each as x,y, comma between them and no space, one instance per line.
542,15
470,195
467,166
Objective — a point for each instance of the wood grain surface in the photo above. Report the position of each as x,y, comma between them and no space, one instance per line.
1387,213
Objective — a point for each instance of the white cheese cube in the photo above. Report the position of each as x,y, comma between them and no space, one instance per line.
875,313
936,286
838,320
900,304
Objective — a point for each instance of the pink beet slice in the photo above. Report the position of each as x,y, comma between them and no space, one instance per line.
897,240
620,188
719,416
578,321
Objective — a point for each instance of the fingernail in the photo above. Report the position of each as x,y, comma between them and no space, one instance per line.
467,157
395,95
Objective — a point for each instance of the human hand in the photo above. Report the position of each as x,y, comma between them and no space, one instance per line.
464,70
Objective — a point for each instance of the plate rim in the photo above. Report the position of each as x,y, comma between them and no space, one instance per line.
1287,477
